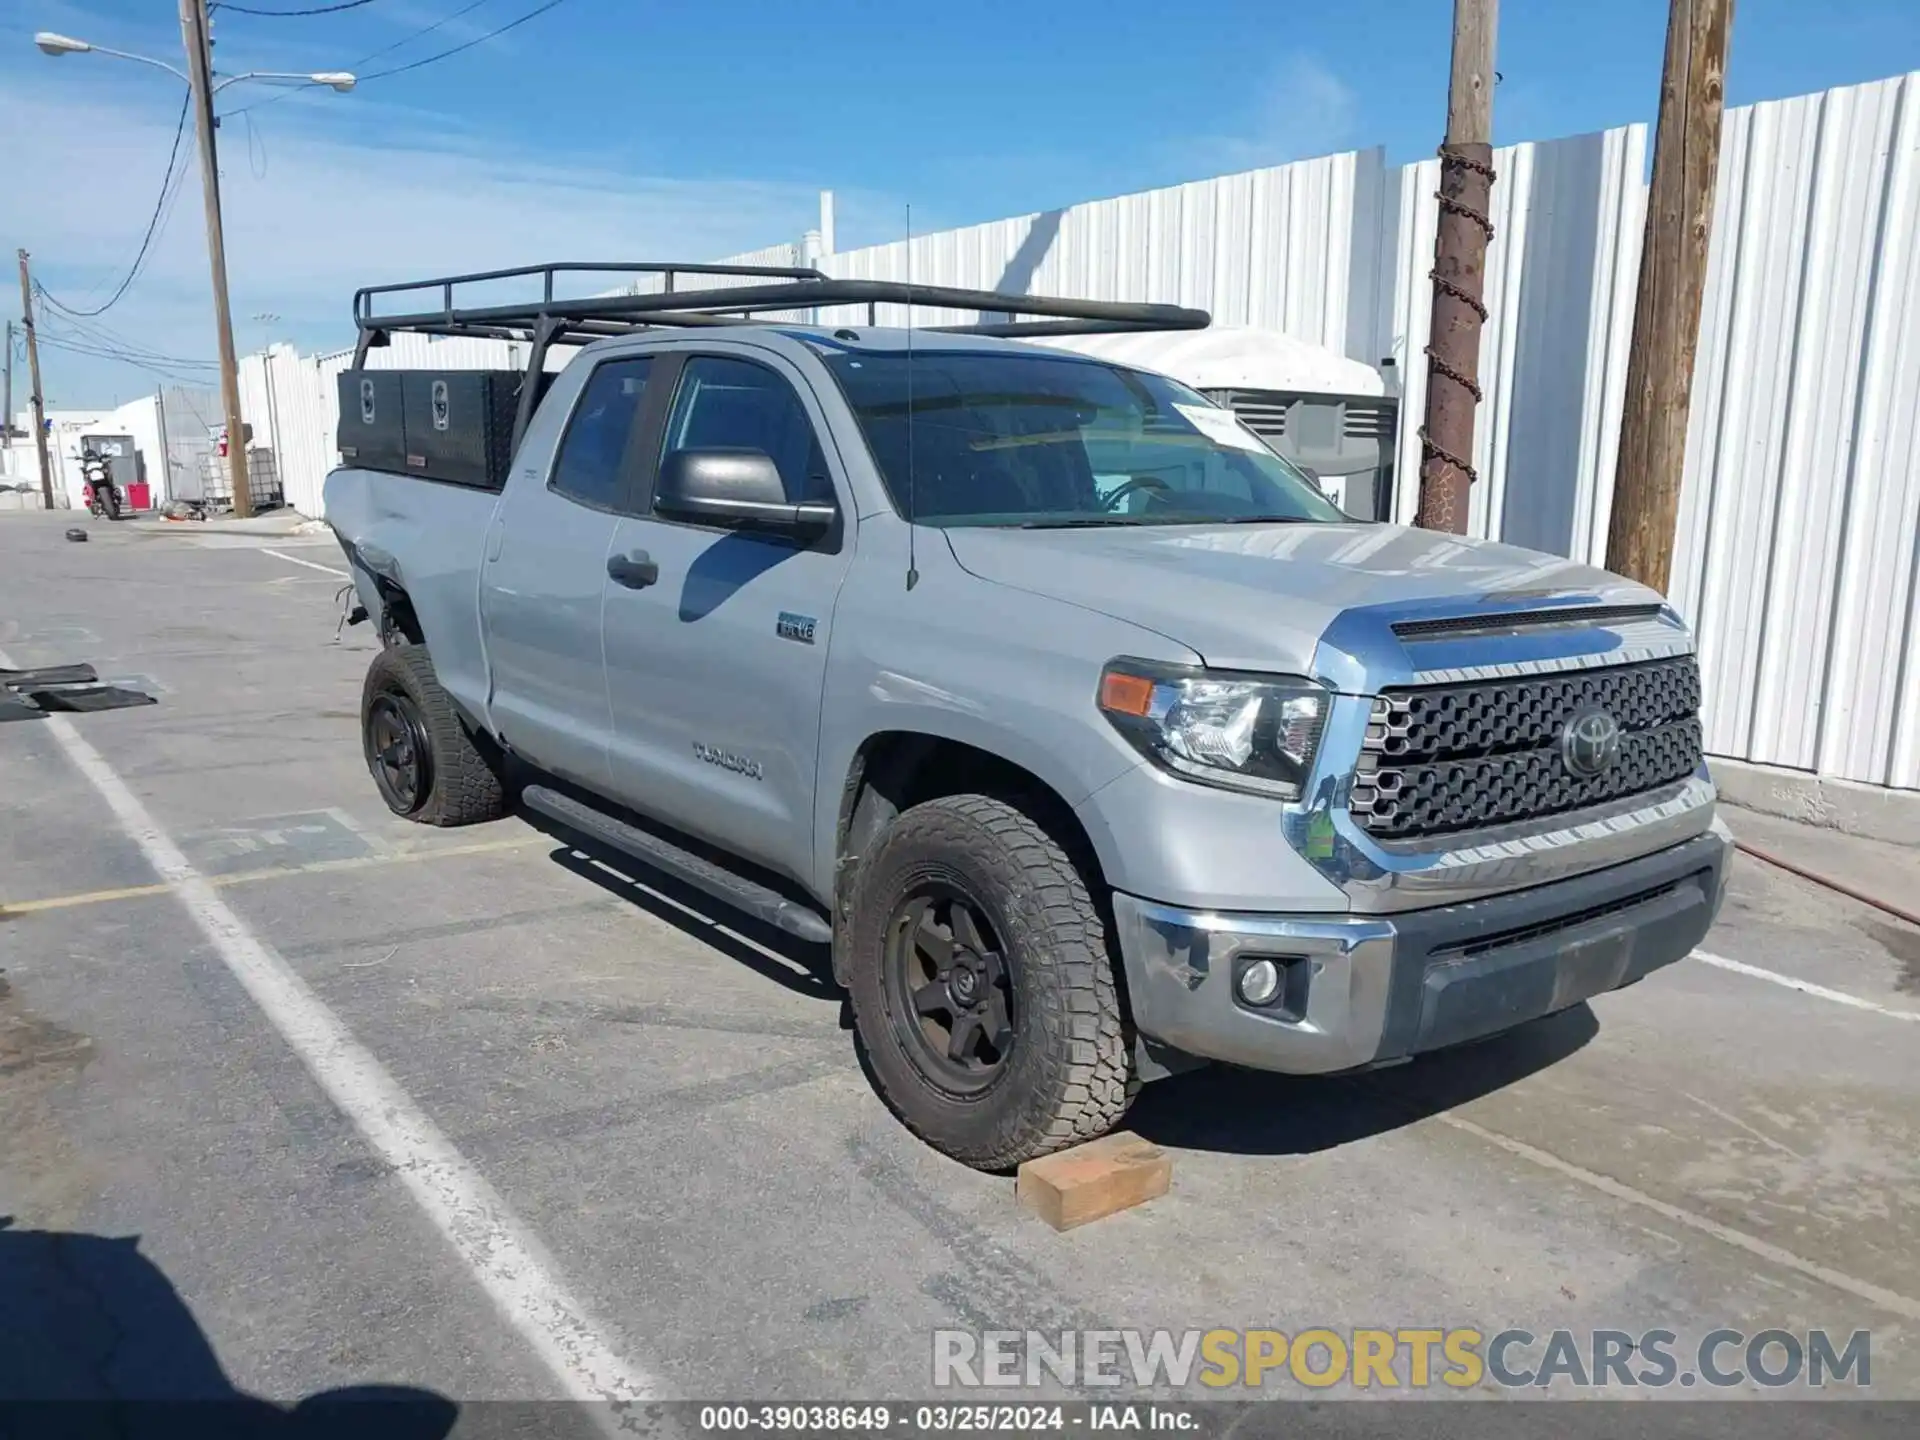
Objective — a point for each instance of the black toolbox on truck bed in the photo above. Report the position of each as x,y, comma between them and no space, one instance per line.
455,426
371,435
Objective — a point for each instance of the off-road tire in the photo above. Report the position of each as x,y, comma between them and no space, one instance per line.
1069,1074
463,784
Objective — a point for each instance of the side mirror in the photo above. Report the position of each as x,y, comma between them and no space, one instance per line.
734,487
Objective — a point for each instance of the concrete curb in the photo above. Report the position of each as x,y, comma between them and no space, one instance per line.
1873,812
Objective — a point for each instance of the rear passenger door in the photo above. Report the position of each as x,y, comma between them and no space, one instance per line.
715,669
543,580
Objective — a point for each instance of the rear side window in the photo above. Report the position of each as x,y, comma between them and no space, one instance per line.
737,405
591,466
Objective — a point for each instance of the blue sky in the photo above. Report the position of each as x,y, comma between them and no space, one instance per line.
696,128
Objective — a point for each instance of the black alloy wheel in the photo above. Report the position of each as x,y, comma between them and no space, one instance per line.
400,751
951,989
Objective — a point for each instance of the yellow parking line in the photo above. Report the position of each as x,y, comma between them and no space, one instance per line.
11,908
86,897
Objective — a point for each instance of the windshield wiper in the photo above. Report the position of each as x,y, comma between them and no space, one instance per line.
1099,522
1081,522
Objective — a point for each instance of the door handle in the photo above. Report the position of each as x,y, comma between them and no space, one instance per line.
635,571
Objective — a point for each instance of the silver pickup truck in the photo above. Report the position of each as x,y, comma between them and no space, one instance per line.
1086,732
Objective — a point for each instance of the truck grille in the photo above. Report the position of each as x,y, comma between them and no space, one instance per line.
1462,757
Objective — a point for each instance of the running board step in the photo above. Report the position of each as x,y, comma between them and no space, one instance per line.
703,875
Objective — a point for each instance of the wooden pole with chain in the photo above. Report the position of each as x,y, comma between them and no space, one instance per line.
1459,273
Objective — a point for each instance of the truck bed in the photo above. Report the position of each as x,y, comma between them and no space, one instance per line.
441,529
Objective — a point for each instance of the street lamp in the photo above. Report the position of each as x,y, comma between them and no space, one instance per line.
199,79
52,44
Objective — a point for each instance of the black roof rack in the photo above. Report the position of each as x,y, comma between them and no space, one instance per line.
554,318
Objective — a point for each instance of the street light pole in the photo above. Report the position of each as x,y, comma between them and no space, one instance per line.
193,28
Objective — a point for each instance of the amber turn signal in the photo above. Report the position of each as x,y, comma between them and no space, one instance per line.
1124,694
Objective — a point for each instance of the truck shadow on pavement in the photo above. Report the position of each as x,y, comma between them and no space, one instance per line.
1219,1108
95,1339
1250,1112
791,963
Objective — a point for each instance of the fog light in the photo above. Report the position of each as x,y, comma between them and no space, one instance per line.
1259,982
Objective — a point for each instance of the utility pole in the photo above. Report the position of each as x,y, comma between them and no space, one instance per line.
1673,280
194,30
33,374
6,405
1459,272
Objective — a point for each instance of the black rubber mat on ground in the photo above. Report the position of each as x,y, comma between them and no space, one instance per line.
48,675
90,698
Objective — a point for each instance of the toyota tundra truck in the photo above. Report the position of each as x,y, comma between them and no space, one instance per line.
1087,735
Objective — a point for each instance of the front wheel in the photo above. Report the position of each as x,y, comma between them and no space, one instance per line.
426,764
982,991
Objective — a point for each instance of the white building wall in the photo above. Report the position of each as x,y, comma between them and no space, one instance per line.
138,418
1294,248
1799,532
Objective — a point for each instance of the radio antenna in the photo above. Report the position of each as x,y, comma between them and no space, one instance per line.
913,572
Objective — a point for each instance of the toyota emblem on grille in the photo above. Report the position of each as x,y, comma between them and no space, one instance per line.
1591,742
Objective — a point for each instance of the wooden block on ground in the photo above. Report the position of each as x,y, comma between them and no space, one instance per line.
1093,1180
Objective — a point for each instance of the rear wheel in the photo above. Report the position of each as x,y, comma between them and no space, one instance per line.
425,763
982,991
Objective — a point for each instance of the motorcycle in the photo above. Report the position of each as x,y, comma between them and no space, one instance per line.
98,489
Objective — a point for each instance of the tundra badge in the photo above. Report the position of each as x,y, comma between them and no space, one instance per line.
727,760
795,627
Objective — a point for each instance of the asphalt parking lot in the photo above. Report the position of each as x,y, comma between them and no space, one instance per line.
654,1113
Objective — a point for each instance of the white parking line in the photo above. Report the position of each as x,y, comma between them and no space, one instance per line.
1806,987
310,564
1891,1301
506,1259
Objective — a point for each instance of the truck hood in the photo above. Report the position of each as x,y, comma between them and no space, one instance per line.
1263,597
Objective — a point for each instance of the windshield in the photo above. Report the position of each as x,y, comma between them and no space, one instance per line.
1043,441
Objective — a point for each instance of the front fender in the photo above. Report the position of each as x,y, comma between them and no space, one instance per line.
964,659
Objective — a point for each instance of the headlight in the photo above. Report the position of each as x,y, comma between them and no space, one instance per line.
1238,731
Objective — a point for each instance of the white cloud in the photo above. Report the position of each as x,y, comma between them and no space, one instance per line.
317,204
1304,110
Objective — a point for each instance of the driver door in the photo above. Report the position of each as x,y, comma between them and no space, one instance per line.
716,667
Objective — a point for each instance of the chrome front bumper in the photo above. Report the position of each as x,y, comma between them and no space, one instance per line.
1366,988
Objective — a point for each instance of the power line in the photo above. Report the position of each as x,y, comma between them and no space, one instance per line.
465,45
101,337
60,342
178,374
403,41
294,14
153,221
99,343
422,31
113,350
